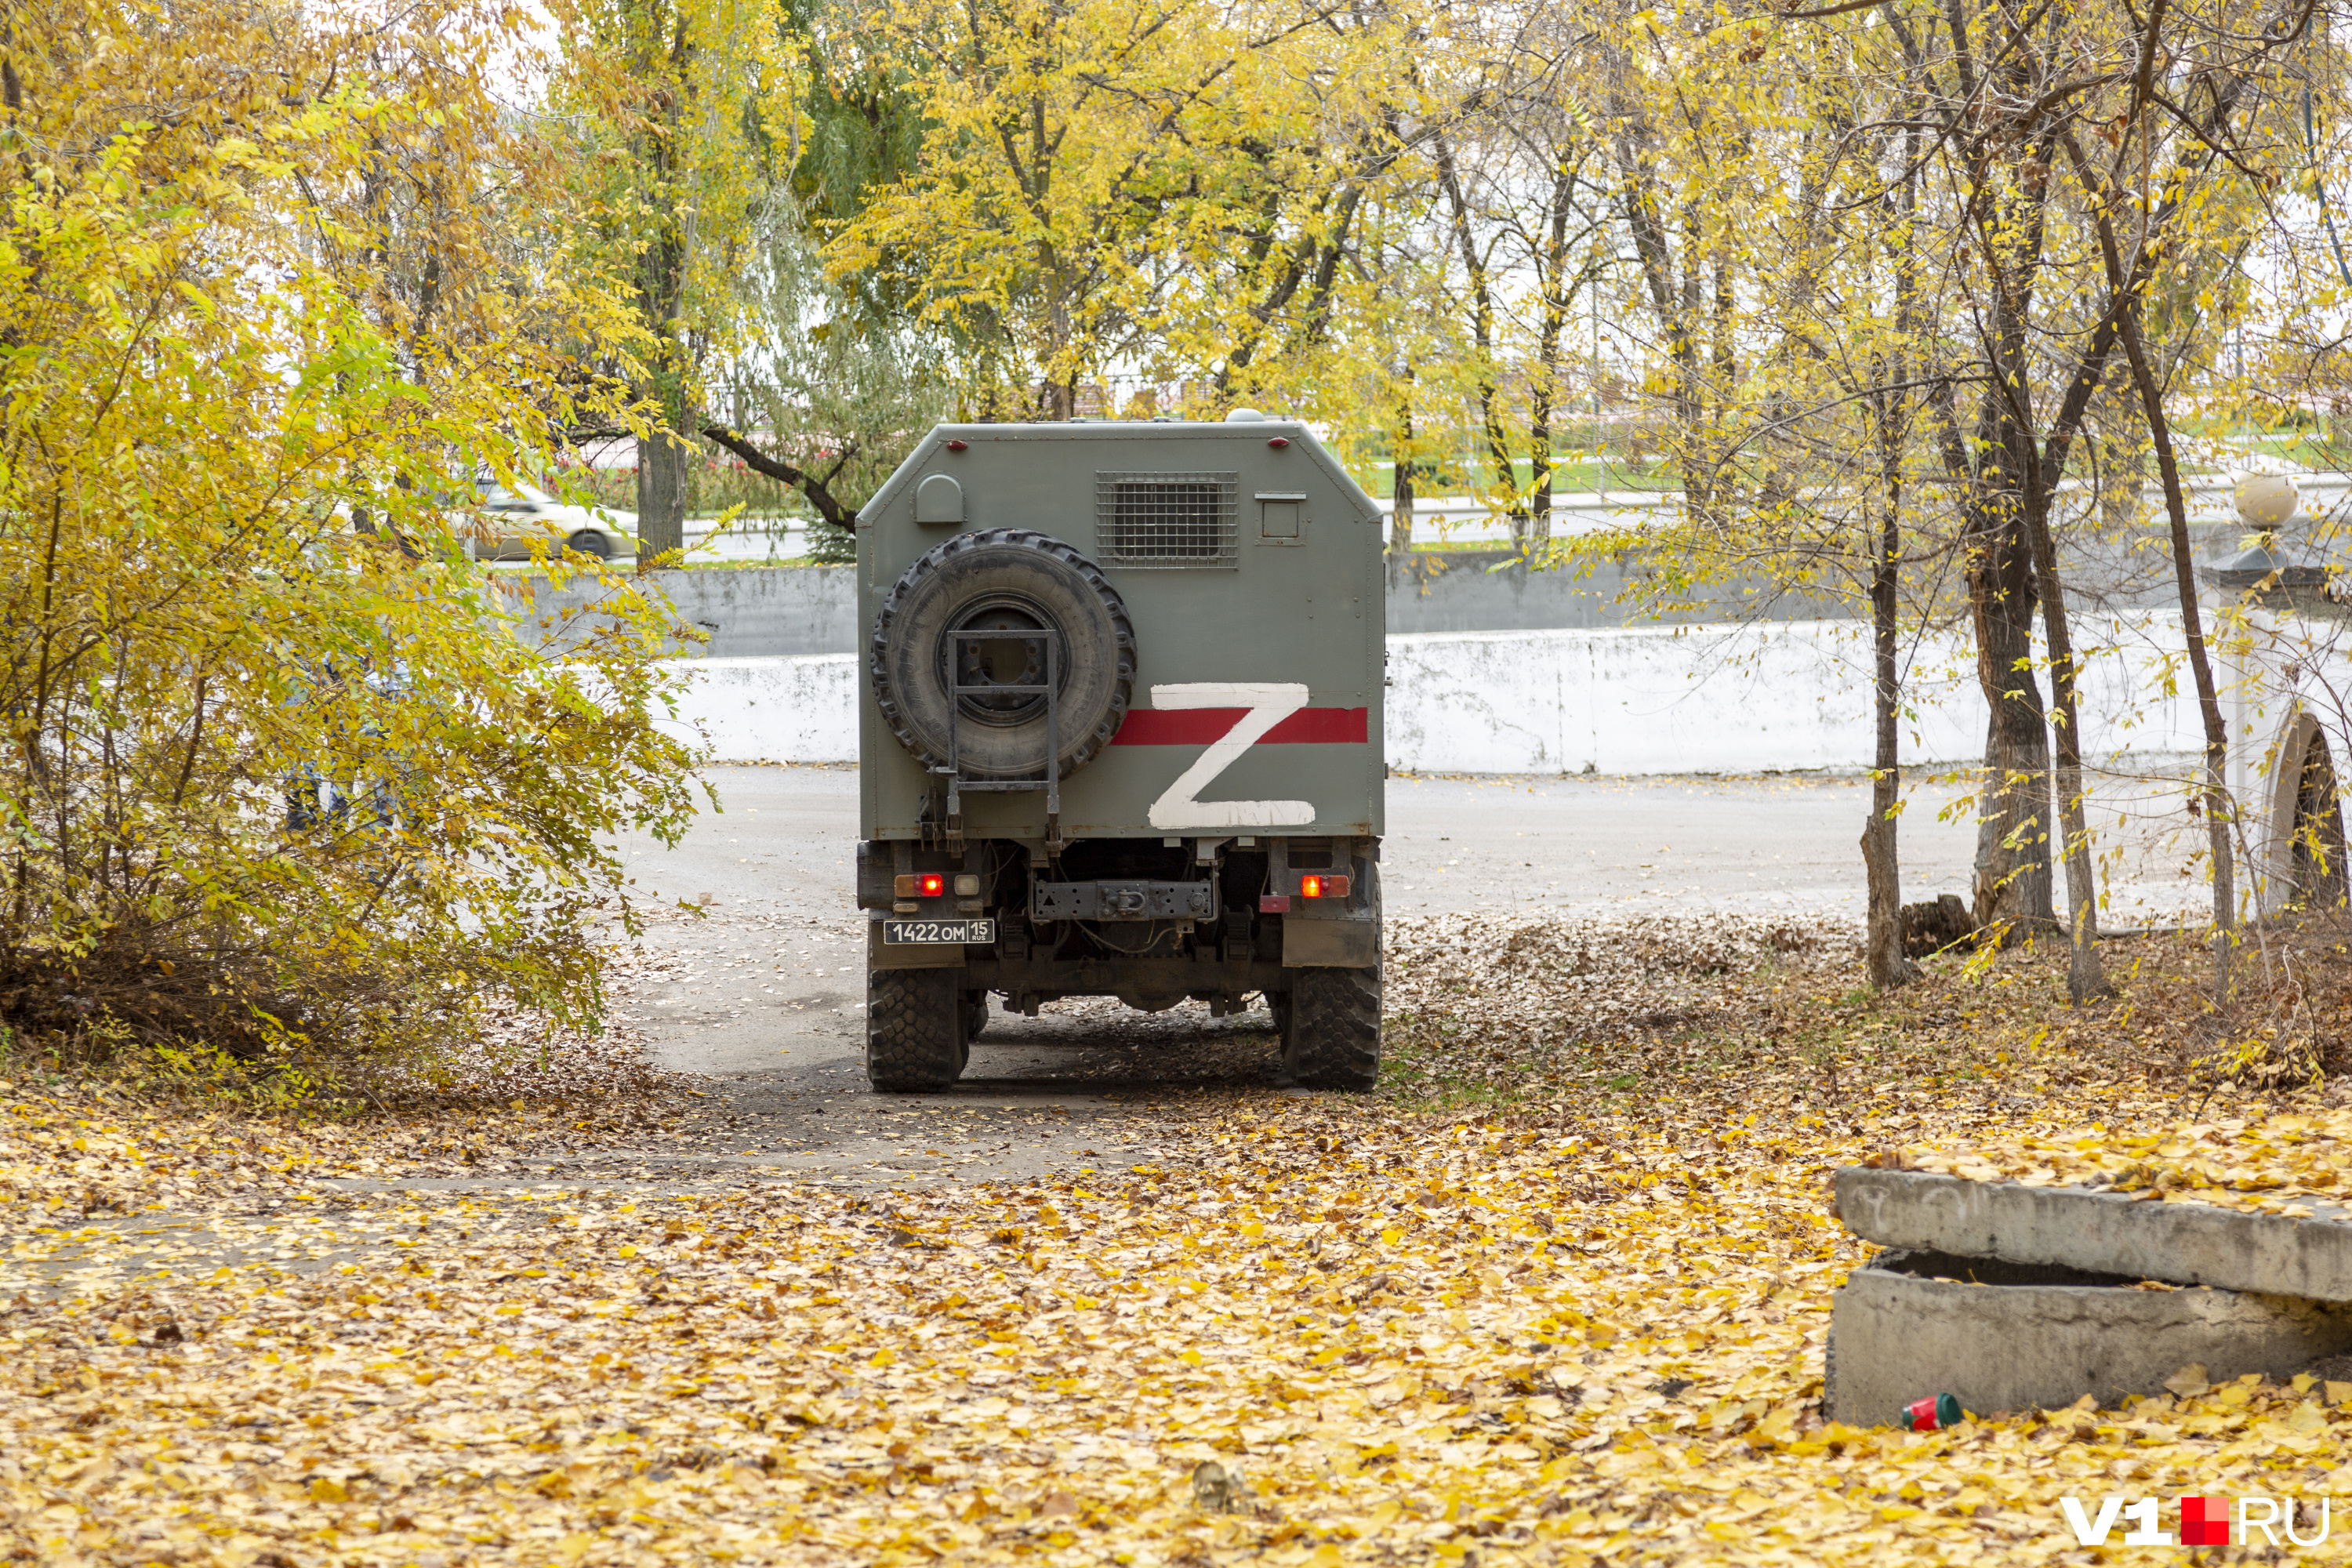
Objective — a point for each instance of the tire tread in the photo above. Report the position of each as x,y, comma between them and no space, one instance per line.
914,1029
1334,1037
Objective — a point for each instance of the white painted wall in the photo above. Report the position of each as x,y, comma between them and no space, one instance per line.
1730,700
1646,701
792,708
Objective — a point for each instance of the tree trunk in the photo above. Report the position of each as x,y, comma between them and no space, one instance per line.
2121,482
1540,463
662,456
661,451
1552,267
2085,979
1401,512
1888,966
2192,627
1482,339
2012,864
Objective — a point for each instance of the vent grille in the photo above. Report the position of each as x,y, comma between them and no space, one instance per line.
1165,519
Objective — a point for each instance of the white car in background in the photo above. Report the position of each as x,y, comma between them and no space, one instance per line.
522,518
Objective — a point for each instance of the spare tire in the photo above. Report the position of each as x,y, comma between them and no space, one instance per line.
1014,580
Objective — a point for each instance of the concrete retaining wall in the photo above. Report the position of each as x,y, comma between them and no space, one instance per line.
2111,1232
1657,699
1897,1336
1491,590
748,612
752,611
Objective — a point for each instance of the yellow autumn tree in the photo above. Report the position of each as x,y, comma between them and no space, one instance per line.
276,291
1172,187
675,120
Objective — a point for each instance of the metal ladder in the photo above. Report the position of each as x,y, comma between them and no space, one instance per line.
957,692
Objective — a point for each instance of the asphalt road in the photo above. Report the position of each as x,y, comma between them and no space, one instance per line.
782,844
766,990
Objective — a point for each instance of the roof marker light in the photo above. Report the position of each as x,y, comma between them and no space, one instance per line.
957,446
1279,442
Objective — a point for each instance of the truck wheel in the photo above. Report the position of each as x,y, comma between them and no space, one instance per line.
1331,1037
1011,580
914,1029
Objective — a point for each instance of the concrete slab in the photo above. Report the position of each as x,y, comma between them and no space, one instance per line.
1998,1337
2110,1232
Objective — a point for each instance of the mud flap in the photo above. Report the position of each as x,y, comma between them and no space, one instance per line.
1330,945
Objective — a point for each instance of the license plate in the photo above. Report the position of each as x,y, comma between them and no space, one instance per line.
906,933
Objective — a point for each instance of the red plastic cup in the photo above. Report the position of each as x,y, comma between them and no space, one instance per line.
1932,1414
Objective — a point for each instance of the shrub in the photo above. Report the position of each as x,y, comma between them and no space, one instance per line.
280,775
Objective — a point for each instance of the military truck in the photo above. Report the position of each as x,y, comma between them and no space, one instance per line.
1120,736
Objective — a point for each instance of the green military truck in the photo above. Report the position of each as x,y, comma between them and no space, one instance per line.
1120,736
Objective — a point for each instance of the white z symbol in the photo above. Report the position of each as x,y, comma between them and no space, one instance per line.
1269,704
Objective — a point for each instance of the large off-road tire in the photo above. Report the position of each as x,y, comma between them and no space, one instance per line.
915,1022
1014,580
1332,1037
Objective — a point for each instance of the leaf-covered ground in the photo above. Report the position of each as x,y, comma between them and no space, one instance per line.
1566,1313
78,1147
2276,1162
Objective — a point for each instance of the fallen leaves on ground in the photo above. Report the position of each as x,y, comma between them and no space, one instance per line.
81,1147
1398,1342
1511,1006
1583,1325
2276,1161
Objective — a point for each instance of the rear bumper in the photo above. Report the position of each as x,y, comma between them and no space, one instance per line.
1303,943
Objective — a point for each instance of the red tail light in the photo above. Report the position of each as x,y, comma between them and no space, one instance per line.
928,885
1323,887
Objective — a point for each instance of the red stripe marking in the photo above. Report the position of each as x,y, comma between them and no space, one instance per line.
1200,726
